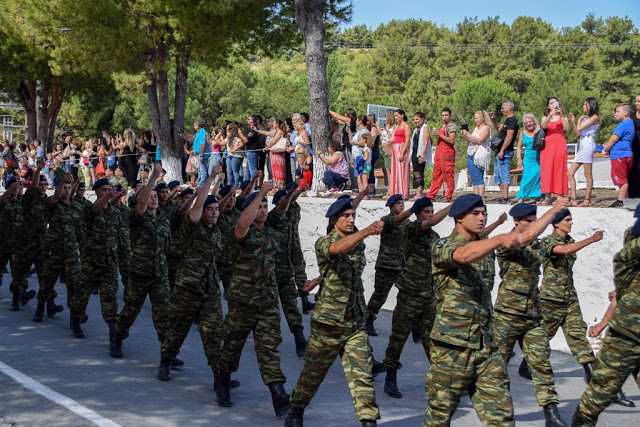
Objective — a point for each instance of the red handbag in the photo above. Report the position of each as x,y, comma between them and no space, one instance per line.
100,168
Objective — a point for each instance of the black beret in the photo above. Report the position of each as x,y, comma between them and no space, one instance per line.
185,192
465,203
160,186
523,209
278,195
99,183
342,204
118,188
289,185
9,181
225,189
173,184
211,198
344,196
62,182
136,182
560,216
145,170
636,214
250,198
244,184
421,203
81,184
394,199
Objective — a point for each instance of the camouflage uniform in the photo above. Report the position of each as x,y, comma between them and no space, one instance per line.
389,263
297,257
620,353
337,329
224,261
81,235
560,307
147,273
10,222
284,269
463,354
100,264
415,304
196,293
114,180
123,239
61,252
252,300
30,250
174,255
518,316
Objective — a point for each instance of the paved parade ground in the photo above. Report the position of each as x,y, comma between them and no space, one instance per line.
49,378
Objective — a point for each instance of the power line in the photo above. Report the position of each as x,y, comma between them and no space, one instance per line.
478,46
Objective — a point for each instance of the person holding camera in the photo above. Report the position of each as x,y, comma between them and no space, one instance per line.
507,134
200,149
553,159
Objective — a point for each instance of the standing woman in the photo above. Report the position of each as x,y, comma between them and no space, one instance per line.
349,122
634,173
216,141
479,137
130,161
586,129
399,157
279,156
530,183
235,142
375,150
386,137
553,159
420,152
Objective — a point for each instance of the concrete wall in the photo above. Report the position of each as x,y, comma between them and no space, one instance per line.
593,272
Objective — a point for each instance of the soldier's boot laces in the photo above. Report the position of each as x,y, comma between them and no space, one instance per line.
279,398
552,416
115,346
15,301
378,367
371,330
53,308
112,329
622,400
76,330
369,423
294,418
164,368
307,306
39,315
27,296
391,383
588,371
415,334
301,342
523,370
223,395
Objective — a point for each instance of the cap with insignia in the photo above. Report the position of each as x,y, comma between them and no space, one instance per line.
523,209
99,183
465,203
560,216
341,204
250,198
421,203
393,200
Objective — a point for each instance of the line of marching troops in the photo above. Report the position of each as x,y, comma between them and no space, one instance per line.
178,245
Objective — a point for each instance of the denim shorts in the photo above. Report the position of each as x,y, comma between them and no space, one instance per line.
476,174
502,167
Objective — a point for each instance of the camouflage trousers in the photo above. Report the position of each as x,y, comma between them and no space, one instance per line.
327,342
104,277
28,253
384,280
481,373
299,266
5,257
137,290
532,334
568,316
225,272
288,298
264,321
57,262
186,306
411,311
619,357
124,255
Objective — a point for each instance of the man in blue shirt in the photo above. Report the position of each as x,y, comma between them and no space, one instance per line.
619,150
201,149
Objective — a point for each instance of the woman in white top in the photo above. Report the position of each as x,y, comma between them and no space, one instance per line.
479,137
586,129
235,154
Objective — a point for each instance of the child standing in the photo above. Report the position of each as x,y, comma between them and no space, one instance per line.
363,177
49,166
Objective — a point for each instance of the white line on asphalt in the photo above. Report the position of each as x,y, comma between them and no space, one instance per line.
56,397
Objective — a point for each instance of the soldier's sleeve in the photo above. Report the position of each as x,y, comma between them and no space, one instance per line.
274,219
188,227
452,128
88,214
387,220
547,245
135,219
442,253
631,250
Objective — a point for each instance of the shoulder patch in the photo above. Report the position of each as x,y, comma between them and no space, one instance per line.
547,240
442,241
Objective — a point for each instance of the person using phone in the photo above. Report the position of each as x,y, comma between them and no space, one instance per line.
507,134
200,149
553,159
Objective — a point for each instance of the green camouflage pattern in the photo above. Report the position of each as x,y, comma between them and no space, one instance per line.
226,223
297,257
175,247
114,180
416,277
60,260
27,253
149,244
557,280
340,300
166,210
80,204
568,316
197,271
34,215
390,255
383,282
10,222
626,268
326,342
64,219
124,242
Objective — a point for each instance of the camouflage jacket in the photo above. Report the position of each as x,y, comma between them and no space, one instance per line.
226,222
102,231
462,317
254,281
149,244
390,254
197,270
34,216
64,221
520,273
176,247
557,280
80,204
340,300
283,230
416,277
295,215
626,269
114,180
10,222
167,210
124,236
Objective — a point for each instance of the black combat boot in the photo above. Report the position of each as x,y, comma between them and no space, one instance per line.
307,306
391,383
176,363
76,330
53,308
15,301
523,370
378,367
552,416
622,400
369,423
163,369
112,329
294,418
588,371
115,346
371,330
223,395
279,398
415,334
27,296
301,342
38,317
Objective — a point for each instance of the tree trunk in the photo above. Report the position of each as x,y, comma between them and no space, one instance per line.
310,14
27,97
180,99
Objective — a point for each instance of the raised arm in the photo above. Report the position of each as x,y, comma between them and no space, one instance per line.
196,210
347,243
36,177
225,200
57,194
249,188
342,119
145,195
249,214
369,189
436,219
283,206
402,217
476,250
538,226
572,248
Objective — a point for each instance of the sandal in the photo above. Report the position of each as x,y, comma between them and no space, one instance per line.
585,203
545,202
573,203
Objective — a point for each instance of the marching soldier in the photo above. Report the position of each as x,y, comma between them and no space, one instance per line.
10,222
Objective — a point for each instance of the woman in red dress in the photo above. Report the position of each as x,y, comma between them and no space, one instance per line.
553,159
